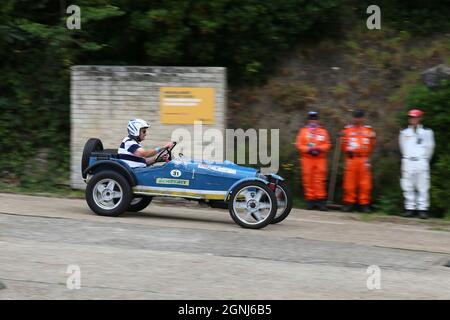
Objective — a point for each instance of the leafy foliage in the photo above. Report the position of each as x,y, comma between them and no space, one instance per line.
36,52
413,16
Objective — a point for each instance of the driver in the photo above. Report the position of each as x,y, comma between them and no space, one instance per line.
131,151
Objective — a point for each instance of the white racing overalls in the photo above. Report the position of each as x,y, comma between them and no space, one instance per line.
417,148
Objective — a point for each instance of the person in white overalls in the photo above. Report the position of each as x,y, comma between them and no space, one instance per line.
416,146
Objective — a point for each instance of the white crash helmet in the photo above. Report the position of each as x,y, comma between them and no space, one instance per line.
135,125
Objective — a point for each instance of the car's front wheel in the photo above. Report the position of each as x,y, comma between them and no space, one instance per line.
252,204
139,203
108,193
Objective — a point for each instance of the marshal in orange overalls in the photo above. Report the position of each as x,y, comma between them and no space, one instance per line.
313,142
357,144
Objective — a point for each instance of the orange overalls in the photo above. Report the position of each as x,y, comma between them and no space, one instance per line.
357,144
314,167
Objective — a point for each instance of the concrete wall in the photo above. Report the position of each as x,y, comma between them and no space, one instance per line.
105,98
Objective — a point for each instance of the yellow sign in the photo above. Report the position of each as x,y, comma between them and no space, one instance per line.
184,105
179,182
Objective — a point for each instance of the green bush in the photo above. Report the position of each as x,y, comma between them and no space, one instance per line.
387,194
413,16
246,36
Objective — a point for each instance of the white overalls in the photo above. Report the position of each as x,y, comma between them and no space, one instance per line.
417,148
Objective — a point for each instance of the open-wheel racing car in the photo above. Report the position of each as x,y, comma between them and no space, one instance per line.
254,200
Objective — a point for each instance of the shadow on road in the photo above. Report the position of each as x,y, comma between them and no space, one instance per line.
179,217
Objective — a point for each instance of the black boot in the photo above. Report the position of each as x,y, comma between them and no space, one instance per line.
423,214
322,205
409,213
310,205
366,208
347,208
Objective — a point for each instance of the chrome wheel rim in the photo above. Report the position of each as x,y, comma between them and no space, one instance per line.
252,205
107,194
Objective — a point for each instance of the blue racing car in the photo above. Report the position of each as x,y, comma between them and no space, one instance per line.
254,200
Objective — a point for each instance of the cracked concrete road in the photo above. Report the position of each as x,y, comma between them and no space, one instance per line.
191,252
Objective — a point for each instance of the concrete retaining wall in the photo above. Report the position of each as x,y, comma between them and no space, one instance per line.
105,98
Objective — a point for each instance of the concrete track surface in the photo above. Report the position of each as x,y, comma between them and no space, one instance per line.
186,251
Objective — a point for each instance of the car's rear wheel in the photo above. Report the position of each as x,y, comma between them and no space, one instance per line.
139,203
252,205
92,145
284,202
108,193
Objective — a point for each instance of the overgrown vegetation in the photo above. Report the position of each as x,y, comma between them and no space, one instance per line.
413,16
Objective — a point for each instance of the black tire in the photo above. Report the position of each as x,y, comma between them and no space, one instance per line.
267,220
92,145
142,203
281,216
121,206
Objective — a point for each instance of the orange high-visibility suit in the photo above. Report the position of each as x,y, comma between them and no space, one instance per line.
357,144
313,142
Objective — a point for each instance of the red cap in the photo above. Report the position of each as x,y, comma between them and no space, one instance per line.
415,113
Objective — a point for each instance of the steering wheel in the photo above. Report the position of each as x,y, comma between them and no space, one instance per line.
164,151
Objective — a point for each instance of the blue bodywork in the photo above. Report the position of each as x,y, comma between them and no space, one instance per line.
183,177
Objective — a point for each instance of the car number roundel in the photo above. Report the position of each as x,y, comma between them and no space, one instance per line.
175,173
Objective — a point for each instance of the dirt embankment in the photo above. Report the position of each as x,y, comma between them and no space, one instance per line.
372,70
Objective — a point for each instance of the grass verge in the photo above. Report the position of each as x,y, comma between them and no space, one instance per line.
53,192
